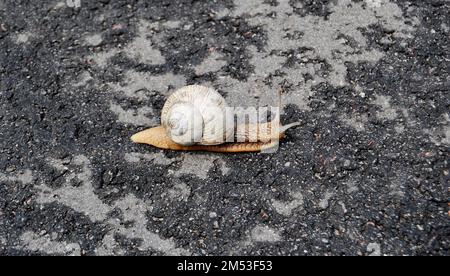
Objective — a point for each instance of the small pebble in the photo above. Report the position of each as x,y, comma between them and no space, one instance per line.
213,215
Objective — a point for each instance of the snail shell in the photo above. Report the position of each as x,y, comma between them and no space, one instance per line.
197,114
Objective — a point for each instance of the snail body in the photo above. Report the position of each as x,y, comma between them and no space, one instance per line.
198,118
157,137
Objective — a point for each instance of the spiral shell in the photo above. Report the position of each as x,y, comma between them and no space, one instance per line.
197,114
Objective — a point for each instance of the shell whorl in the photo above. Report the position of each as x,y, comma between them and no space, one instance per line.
197,114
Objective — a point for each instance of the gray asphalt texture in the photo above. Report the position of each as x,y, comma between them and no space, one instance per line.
367,173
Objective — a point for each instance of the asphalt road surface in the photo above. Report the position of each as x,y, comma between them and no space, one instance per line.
367,172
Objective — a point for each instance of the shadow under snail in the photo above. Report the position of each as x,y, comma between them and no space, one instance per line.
197,118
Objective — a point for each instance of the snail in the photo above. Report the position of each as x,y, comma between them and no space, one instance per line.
197,118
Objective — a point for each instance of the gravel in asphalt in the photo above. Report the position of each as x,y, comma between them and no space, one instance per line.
367,173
